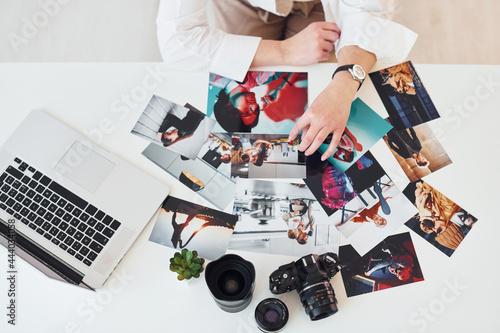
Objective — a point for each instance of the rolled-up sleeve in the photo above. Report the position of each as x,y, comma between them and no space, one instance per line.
367,24
187,42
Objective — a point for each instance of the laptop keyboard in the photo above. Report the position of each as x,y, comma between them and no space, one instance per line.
54,212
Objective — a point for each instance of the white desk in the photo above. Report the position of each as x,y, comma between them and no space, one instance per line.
144,296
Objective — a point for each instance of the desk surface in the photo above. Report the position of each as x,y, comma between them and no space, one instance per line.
103,101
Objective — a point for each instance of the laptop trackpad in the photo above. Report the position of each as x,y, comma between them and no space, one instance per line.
84,166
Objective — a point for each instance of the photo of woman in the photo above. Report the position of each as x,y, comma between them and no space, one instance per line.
265,102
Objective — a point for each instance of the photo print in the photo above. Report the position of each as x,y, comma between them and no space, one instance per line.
334,189
417,151
182,224
280,218
266,156
182,130
404,96
363,129
209,174
265,102
439,220
391,263
373,215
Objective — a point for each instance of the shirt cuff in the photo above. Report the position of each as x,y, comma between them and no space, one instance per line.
235,55
389,41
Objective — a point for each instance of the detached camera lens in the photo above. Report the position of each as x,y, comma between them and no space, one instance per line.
271,315
231,282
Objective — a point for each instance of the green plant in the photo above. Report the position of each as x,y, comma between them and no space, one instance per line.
187,264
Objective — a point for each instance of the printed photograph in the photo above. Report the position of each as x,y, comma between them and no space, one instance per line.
391,263
334,189
280,218
373,215
404,96
266,156
363,129
417,151
265,102
439,220
185,225
181,129
209,174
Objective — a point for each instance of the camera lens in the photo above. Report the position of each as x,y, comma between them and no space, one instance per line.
271,315
319,300
231,282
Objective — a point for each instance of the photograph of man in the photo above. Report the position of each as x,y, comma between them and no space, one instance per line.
441,221
263,100
294,220
181,224
181,129
391,263
417,150
404,96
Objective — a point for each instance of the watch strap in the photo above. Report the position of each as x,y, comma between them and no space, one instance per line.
345,68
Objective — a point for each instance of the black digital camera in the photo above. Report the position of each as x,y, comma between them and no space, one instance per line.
310,276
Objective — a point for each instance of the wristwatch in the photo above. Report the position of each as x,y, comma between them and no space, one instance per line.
356,71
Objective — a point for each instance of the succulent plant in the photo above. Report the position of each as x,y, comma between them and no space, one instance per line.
187,264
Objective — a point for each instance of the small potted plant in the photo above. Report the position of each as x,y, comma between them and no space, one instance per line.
187,264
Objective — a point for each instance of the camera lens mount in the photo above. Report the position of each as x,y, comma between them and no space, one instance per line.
319,300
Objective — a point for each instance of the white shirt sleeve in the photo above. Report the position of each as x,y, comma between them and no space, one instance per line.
188,43
367,24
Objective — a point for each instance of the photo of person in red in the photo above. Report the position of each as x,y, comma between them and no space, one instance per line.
371,215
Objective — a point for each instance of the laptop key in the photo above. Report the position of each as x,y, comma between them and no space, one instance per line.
108,232
5,188
96,247
25,221
48,216
30,168
71,231
25,212
19,197
45,203
92,256
32,226
38,198
17,160
16,184
76,246
56,221
3,206
27,202
63,246
53,231
99,215
46,226
9,180
33,184
34,207
39,221
2,177
100,239
17,216
54,198
41,211
59,212
40,189
107,220
3,197
86,240
82,227
40,231
84,250
23,189
55,241
12,193
79,257
99,226
25,179
62,202
32,217
49,237
68,241
71,251
91,210
67,217
78,235
45,180
74,222
37,175
69,207
87,262
84,217
14,172
61,236
64,226
17,207
47,193
23,166
92,221
90,232
10,202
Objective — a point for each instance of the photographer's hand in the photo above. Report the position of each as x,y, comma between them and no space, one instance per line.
330,110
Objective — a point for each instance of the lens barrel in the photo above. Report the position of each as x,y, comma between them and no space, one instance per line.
319,300
231,282
271,315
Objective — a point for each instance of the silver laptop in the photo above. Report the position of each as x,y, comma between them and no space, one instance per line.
76,208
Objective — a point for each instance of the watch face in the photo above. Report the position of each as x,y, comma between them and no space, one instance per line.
358,72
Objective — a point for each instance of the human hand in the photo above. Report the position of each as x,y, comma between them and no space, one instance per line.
311,45
327,114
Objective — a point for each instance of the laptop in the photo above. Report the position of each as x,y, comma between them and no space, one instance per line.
76,208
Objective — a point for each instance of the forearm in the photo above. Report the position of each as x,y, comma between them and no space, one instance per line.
269,53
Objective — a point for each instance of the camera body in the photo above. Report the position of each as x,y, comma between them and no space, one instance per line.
310,276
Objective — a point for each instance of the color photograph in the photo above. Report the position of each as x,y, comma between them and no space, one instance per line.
280,218
181,129
439,220
266,156
185,225
363,129
264,102
404,96
417,151
373,215
209,174
391,263
334,189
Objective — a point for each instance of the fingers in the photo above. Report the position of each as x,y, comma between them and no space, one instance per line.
299,125
333,145
318,140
